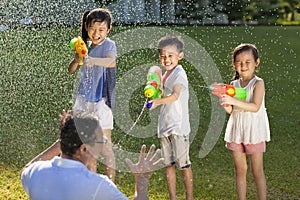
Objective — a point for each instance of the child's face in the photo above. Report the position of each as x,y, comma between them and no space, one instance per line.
245,64
97,32
169,57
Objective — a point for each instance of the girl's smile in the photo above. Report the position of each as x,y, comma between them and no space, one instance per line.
97,32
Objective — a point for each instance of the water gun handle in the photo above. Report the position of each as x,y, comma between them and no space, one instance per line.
80,61
149,105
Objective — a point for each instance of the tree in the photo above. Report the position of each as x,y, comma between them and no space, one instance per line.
104,2
251,10
235,9
188,9
266,11
289,8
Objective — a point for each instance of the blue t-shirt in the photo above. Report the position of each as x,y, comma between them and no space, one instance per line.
66,179
98,82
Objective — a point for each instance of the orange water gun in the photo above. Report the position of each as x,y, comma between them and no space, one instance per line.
78,45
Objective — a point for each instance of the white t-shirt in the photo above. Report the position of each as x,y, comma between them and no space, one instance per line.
174,116
66,179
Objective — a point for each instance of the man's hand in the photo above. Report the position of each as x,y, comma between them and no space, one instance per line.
142,171
147,162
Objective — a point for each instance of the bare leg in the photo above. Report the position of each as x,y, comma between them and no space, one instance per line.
256,163
188,182
240,165
109,157
171,181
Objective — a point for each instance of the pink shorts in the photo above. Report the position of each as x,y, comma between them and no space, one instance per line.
247,148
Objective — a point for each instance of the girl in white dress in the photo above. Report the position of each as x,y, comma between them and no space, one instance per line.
247,129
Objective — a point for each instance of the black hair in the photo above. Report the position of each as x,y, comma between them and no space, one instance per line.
76,131
84,33
95,15
171,40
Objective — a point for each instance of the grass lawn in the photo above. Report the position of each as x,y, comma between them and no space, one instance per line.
35,87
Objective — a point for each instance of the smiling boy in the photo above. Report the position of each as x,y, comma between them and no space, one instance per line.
173,123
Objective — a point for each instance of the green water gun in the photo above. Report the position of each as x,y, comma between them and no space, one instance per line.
153,88
220,89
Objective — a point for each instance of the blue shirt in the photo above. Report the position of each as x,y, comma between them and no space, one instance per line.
66,179
98,82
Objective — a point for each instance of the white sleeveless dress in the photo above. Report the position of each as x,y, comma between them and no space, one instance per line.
248,127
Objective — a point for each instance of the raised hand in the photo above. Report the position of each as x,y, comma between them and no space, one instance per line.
147,162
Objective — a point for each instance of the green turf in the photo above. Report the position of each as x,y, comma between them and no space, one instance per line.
35,87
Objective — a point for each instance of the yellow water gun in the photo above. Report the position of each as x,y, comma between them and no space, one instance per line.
77,44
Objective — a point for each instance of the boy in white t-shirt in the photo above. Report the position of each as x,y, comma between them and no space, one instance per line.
173,123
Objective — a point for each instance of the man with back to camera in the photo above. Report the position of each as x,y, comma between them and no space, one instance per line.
49,177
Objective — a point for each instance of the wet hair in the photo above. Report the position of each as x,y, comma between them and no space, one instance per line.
84,33
95,15
171,40
243,48
76,131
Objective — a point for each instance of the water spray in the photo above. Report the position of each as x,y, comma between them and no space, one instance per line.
138,118
152,90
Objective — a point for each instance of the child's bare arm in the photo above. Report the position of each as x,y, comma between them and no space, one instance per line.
109,61
254,105
168,99
74,64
